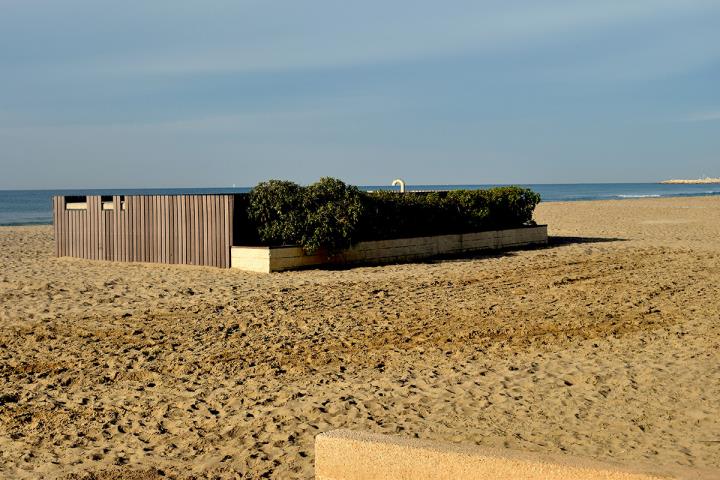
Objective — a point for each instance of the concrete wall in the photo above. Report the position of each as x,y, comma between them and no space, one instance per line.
251,259
275,259
346,455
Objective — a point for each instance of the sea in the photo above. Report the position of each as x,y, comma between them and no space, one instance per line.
33,207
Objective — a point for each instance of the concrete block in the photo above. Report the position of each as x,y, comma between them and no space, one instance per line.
347,455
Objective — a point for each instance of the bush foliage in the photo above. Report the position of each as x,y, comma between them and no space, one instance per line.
332,212
332,215
275,208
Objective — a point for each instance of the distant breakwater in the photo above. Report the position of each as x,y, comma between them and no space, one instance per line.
697,181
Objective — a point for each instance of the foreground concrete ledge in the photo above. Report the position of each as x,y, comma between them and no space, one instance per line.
348,455
276,259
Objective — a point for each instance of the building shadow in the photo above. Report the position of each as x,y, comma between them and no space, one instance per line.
554,241
558,240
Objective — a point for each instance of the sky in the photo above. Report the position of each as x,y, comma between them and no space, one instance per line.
211,93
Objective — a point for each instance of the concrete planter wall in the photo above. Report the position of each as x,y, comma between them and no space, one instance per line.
347,455
276,259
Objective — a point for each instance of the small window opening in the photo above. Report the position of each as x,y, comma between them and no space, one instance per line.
75,202
107,202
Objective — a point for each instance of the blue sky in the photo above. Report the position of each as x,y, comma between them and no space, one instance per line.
96,93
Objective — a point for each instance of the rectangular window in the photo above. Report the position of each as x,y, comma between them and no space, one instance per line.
75,202
107,202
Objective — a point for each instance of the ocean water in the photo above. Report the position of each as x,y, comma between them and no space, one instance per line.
33,207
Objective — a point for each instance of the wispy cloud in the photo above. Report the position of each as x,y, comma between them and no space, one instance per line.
697,117
424,33
252,37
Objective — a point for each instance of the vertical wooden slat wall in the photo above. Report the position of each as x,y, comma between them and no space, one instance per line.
203,228
181,229
195,229
160,231
73,233
115,219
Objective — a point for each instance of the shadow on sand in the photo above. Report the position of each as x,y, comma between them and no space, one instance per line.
556,241
553,242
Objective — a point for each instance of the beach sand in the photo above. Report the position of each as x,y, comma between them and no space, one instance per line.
606,344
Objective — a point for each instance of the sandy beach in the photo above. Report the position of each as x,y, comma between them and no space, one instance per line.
605,344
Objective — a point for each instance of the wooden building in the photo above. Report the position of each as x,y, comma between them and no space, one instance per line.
213,230
181,229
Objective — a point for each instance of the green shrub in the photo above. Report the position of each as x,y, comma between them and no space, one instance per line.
275,208
332,215
470,209
332,211
493,208
396,215
325,214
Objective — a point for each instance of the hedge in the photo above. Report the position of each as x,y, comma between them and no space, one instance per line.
332,215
